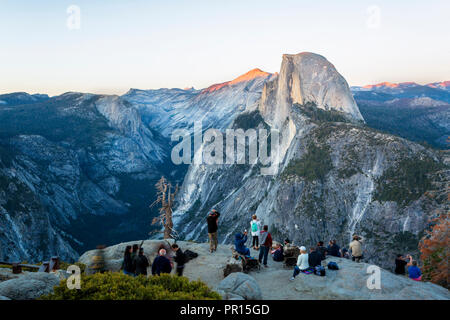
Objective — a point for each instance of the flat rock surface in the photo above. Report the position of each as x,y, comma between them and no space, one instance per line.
350,282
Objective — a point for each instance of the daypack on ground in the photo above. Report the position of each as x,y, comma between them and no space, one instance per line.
319,271
333,265
290,262
189,255
250,264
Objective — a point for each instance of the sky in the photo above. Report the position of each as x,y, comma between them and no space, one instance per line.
118,45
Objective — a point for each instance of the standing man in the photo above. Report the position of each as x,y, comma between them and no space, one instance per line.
180,259
141,263
400,265
356,248
213,222
266,244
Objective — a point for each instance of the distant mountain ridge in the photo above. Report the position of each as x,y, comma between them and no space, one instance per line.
416,112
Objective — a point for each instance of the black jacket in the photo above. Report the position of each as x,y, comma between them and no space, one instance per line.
333,250
180,258
322,250
127,264
161,265
142,264
314,259
211,220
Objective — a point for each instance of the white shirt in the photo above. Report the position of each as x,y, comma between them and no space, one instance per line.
302,261
258,223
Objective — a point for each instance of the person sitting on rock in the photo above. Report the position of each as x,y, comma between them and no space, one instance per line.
277,254
322,250
333,249
127,264
356,248
161,264
302,263
314,257
413,270
141,263
344,253
239,243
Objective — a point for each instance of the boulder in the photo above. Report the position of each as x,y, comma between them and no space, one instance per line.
114,255
237,285
29,286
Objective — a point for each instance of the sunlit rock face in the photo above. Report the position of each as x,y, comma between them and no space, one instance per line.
307,77
330,180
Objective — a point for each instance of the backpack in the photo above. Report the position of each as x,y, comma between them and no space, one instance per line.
189,255
319,271
333,265
254,226
290,262
251,263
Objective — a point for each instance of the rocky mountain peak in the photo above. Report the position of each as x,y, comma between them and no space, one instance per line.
307,77
248,76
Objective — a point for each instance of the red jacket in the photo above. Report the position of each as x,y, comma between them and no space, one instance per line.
268,240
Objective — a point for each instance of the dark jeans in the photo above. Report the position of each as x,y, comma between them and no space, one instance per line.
180,270
263,253
297,271
255,241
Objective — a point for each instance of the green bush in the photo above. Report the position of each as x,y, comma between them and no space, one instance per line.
117,286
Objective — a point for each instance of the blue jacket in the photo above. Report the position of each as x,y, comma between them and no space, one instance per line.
239,244
414,272
161,265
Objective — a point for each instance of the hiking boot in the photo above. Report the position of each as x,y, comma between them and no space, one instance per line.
266,266
292,279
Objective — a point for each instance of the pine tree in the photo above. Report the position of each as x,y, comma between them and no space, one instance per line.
166,197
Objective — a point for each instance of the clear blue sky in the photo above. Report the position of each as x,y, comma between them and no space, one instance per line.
174,43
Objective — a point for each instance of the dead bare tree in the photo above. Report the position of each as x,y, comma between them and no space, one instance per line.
166,197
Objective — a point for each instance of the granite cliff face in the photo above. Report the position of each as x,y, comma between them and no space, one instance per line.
78,170
69,171
336,176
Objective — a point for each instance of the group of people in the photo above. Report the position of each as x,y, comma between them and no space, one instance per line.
262,241
413,270
135,263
